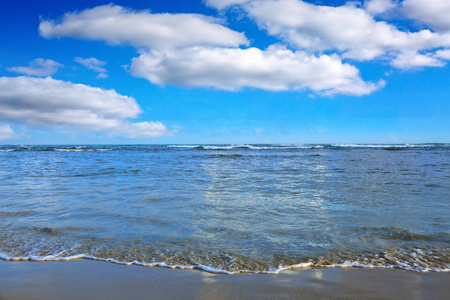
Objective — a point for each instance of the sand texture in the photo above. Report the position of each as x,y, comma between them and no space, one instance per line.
84,279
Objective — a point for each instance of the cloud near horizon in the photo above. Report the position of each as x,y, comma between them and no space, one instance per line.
52,103
6,133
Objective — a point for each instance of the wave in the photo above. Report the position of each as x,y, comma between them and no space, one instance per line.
386,146
306,146
214,147
184,146
413,259
82,150
245,146
399,234
52,148
426,252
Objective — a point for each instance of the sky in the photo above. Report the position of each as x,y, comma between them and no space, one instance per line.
224,71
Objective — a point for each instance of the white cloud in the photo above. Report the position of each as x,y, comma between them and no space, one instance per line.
6,133
38,67
194,50
102,75
379,6
145,130
221,4
435,13
59,104
118,25
273,69
409,60
444,54
93,64
348,29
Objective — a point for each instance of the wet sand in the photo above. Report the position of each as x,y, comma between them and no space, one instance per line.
85,279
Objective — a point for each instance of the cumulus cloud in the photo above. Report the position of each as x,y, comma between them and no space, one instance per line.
54,103
349,29
379,6
434,13
93,64
196,51
273,69
38,67
118,25
6,133
193,50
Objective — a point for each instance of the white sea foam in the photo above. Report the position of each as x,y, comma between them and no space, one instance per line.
183,146
383,145
81,150
299,146
246,146
403,266
219,147
41,258
69,150
211,269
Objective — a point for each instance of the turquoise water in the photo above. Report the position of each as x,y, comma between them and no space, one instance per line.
228,208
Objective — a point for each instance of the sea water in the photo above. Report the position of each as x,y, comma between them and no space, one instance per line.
228,208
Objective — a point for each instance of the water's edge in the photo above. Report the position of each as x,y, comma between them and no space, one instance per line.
306,265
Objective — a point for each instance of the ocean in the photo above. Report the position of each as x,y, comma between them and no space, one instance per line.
228,208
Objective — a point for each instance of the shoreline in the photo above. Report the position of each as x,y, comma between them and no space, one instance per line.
205,268
88,279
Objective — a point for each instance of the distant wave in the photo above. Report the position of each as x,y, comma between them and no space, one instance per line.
304,146
246,146
385,145
81,150
213,147
54,148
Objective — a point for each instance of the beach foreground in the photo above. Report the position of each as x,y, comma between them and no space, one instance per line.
85,279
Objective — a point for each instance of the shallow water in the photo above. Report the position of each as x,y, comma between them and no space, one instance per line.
229,208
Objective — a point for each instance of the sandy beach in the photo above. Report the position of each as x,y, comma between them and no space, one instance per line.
85,279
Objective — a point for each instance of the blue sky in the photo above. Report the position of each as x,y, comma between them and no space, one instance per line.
224,71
